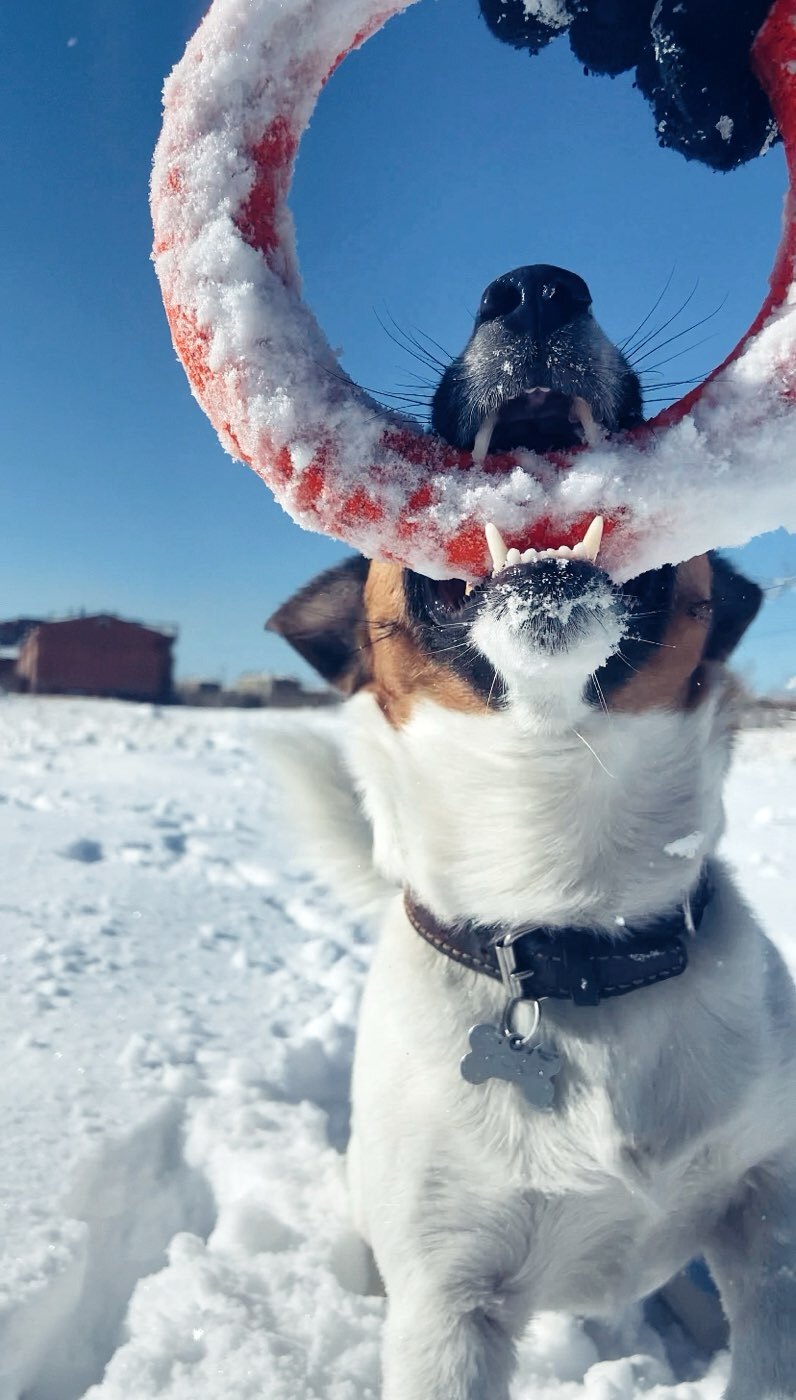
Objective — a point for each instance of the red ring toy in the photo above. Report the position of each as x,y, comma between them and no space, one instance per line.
235,108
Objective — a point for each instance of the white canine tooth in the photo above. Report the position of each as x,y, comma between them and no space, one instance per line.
496,546
483,438
513,557
581,411
593,538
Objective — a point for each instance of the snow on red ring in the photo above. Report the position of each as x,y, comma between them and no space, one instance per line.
713,470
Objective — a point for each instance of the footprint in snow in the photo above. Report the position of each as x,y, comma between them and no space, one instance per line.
83,849
175,843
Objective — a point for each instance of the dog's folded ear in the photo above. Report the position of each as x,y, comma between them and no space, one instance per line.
325,623
736,603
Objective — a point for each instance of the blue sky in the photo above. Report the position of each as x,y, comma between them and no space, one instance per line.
437,159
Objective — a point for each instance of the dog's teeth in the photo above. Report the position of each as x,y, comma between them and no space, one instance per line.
580,412
483,438
502,557
593,539
468,588
496,546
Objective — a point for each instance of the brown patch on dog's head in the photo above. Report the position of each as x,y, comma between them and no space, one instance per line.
711,608
352,625
665,681
402,670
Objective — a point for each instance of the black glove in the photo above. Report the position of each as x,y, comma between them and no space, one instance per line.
696,75
608,36
692,61
510,22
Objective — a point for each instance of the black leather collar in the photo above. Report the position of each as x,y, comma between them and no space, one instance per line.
582,965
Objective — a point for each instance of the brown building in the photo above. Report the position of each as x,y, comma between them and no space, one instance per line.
100,655
8,668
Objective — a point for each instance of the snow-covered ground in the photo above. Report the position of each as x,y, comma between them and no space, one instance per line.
178,1003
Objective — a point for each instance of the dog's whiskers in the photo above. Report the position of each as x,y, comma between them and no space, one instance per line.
413,399
410,345
684,350
622,657
630,348
491,691
599,689
627,342
595,755
457,647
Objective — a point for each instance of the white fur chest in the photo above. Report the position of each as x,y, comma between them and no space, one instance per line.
583,1208
482,817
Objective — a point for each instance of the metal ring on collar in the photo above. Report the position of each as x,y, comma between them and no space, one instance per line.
506,1026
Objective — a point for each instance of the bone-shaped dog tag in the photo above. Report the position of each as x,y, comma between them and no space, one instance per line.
495,1054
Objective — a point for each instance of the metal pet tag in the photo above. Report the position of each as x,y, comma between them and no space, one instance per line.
499,1054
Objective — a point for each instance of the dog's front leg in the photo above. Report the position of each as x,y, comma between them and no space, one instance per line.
433,1353
753,1258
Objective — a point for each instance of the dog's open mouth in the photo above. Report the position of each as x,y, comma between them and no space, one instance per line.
541,420
451,595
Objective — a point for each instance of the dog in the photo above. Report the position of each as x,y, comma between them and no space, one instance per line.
575,1060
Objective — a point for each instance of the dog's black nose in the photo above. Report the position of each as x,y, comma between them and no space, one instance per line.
535,301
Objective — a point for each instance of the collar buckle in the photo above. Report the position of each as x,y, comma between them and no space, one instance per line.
579,965
511,976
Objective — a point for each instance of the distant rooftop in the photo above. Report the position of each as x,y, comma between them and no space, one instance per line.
14,630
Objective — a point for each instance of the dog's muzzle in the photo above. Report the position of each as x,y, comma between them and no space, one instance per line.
552,605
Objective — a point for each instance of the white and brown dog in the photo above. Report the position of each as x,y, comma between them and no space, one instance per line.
575,1063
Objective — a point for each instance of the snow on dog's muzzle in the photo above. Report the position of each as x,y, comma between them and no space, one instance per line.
556,608
549,614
